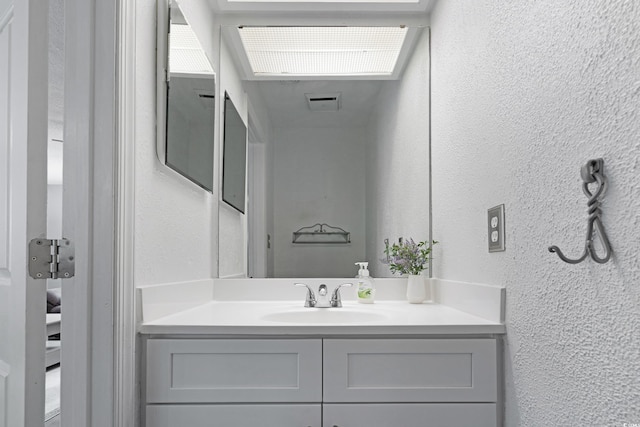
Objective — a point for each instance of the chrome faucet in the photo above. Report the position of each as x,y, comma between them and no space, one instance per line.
335,296
323,300
310,300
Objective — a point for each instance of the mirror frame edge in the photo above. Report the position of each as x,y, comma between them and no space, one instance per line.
163,22
223,144
162,48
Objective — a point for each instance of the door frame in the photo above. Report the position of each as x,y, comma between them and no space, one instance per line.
256,209
125,376
98,325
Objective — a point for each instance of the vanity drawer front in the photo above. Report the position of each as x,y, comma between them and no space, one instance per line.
273,415
227,370
410,415
410,370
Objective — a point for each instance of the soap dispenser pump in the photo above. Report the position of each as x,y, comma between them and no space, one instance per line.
365,289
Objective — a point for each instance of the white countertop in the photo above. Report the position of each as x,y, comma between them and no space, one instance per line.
382,318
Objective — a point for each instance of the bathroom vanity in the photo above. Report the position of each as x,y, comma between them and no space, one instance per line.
276,363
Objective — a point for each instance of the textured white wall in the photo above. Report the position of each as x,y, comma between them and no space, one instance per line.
524,93
319,177
398,160
175,219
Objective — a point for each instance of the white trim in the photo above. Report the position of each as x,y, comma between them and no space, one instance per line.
256,209
236,49
408,47
89,218
75,381
125,406
103,217
162,33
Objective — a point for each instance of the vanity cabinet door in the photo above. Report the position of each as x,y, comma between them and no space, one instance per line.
410,415
234,370
410,370
233,415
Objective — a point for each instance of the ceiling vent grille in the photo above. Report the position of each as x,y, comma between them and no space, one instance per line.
323,101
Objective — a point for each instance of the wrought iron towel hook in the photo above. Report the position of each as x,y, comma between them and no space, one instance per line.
591,172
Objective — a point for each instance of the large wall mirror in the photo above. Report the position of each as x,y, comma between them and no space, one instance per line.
335,154
186,98
234,158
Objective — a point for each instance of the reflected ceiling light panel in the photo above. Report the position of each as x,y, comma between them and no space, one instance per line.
185,53
323,51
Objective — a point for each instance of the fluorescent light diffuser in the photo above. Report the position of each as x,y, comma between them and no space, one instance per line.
322,51
185,53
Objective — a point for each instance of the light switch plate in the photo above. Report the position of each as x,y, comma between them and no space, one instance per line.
495,226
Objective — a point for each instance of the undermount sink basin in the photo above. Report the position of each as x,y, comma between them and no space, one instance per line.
325,316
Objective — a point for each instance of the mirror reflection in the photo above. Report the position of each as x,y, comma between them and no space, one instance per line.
339,155
234,165
352,154
190,104
319,173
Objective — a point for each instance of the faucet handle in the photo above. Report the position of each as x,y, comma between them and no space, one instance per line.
335,296
310,300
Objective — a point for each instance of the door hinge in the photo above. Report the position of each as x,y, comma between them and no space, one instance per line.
51,259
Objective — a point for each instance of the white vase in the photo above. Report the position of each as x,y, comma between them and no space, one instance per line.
416,292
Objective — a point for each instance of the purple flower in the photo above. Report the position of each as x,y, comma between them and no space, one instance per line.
408,257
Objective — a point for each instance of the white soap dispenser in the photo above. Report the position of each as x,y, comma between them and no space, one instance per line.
365,289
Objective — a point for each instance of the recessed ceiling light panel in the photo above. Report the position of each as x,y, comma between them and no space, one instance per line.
185,53
322,51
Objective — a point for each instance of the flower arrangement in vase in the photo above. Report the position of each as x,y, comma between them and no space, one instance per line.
410,258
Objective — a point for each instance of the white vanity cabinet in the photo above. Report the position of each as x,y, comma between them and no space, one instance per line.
410,382
234,370
341,382
233,382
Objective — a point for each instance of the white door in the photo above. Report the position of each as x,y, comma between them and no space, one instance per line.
23,180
